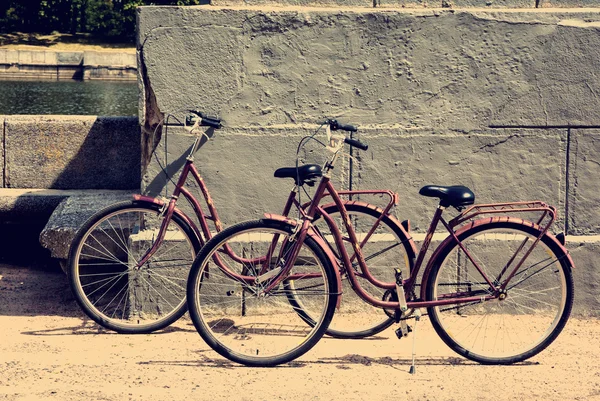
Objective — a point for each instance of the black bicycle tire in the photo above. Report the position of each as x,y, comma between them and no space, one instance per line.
565,266
195,279
80,297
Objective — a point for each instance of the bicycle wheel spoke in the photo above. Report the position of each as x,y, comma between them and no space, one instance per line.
111,287
520,321
253,324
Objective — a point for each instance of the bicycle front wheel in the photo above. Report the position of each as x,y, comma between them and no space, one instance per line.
524,320
106,281
242,321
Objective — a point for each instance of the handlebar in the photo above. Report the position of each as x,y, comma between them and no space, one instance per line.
356,143
207,121
334,125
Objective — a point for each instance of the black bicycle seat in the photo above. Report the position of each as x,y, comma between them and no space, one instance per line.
455,195
301,174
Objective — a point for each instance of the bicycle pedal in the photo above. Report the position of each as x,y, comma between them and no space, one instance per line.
403,333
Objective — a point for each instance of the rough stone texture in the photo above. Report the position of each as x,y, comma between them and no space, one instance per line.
375,66
109,59
2,131
406,3
70,214
568,3
584,170
486,3
237,167
29,205
50,64
586,277
72,152
505,165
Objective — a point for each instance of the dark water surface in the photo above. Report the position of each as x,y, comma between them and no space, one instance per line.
105,98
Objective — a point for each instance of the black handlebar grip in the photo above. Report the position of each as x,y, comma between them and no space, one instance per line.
356,144
349,128
211,122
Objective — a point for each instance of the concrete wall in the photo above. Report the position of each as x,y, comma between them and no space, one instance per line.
70,152
46,159
503,101
49,64
491,103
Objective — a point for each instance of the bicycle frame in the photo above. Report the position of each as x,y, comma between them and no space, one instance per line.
326,189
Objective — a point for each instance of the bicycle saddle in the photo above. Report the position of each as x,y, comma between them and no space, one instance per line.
455,195
302,174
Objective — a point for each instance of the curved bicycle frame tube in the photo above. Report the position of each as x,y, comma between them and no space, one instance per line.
466,297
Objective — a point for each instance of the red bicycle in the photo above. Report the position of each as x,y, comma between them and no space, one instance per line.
490,278
129,262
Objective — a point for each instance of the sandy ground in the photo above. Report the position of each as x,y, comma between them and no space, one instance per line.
48,351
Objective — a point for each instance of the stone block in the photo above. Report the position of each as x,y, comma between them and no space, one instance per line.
25,56
586,276
65,152
377,66
109,59
237,166
72,210
497,165
3,53
12,57
38,57
584,170
69,58
568,3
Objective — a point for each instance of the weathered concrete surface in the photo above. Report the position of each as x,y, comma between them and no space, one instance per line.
406,3
584,172
586,276
422,100
70,215
22,205
504,165
70,152
50,64
530,68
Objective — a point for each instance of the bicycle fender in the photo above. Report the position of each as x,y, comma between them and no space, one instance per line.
148,199
379,210
476,223
321,242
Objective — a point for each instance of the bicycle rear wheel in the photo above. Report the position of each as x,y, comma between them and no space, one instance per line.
104,278
236,317
536,305
387,249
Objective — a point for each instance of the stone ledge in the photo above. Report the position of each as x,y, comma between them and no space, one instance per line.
71,213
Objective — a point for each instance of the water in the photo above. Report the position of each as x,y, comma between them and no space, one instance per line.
104,98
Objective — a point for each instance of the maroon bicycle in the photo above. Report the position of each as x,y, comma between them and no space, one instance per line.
494,272
129,262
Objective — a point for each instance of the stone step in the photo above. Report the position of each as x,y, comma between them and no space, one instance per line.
69,213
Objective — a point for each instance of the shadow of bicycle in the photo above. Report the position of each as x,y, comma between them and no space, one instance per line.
344,362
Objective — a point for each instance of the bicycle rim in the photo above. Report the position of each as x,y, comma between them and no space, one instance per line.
112,289
537,302
386,250
242,322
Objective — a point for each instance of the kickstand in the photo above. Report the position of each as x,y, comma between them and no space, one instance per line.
413,368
